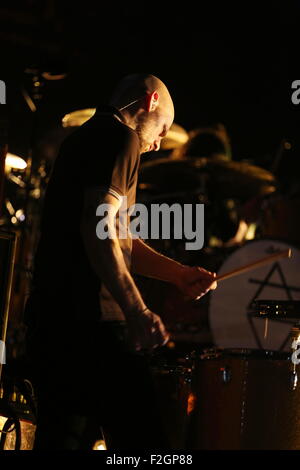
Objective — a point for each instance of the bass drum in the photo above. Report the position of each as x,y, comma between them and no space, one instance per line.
230,324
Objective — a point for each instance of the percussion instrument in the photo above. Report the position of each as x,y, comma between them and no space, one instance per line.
77,118
230,320
277,309
176,137
172,376
14,162
26,431
231,179
244,399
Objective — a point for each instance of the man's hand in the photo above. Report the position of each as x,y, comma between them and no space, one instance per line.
146,331
194,282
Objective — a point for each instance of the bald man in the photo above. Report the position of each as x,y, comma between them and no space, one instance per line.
87,321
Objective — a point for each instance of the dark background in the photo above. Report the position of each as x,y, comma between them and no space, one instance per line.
230,64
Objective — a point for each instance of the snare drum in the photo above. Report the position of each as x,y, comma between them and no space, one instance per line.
245,399
231,323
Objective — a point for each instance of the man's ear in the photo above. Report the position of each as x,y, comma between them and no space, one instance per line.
152,100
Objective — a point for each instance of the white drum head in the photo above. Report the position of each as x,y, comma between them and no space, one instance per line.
230,302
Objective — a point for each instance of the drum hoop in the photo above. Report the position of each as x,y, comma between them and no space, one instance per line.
244,353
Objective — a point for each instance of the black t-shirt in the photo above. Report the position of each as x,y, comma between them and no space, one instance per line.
103,153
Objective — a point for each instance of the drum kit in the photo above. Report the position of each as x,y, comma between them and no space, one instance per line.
230,359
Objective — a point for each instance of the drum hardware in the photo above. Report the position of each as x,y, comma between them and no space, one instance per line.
282,310
3,149
147,193
15,394
211,353
17,414
276,309
294,379
21,209
225,374
8,242
283,146
295,341
238,180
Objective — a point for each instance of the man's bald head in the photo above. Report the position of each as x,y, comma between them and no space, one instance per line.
136,87
147,107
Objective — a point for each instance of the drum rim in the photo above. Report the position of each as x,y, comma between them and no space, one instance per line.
246,353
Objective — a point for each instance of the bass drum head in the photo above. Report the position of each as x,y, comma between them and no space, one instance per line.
230,303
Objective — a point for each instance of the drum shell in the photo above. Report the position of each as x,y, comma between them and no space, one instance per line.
173,387
245,402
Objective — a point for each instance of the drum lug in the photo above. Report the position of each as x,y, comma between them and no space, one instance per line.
225,374
187,376
294,379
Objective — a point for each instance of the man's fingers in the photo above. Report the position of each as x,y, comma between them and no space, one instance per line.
201,290
201,287
160,339
161,335
149,334
205,273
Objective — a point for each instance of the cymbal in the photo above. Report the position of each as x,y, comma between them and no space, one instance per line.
77,118
218,177
14,162
175,137
54,75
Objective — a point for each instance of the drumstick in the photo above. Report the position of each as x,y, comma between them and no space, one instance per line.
248,267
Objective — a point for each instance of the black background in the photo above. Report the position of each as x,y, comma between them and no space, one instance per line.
231,64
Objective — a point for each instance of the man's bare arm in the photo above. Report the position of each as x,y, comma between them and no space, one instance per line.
146,329
148,262
105,256
192,281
